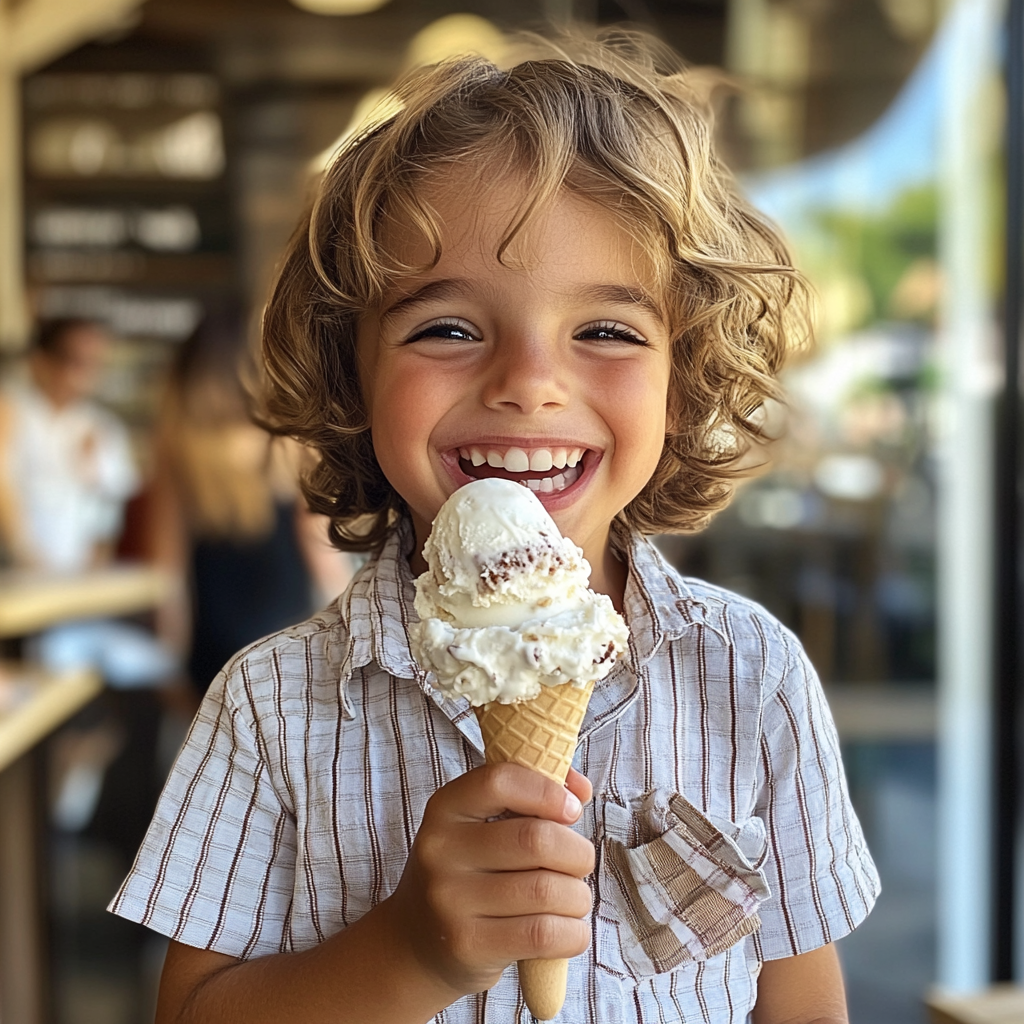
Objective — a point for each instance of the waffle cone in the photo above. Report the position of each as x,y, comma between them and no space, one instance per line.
540,734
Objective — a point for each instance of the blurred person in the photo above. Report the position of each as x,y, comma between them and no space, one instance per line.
227,517
66,467
66,472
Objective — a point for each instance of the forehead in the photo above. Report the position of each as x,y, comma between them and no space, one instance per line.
486,219
90,336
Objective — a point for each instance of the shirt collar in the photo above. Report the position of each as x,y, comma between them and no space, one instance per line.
659,604
377,609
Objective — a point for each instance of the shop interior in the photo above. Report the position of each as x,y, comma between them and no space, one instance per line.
163,152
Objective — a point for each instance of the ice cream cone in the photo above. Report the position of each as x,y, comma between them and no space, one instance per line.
506,613
542,983
540,734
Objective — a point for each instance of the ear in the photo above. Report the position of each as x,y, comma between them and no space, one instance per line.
772,416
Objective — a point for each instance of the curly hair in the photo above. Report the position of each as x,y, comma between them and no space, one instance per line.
617,120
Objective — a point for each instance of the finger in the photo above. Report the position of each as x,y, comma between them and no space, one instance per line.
577,783
522,893
508,844
537,936
496,789
524,844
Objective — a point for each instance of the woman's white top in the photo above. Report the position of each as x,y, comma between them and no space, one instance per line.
70,471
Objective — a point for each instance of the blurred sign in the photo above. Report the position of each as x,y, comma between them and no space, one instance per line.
169,229
128,314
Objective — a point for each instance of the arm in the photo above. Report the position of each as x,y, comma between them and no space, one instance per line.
804,989
476,894
12,533
361,974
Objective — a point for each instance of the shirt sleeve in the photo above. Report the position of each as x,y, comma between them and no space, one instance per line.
822,877
216,868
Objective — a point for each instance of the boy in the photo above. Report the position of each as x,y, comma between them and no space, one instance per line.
541,268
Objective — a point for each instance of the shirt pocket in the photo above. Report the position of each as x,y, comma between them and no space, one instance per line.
674,886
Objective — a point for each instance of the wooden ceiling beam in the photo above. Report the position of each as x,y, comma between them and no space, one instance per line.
39,31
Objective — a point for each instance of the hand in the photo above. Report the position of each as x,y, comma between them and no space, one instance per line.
479,891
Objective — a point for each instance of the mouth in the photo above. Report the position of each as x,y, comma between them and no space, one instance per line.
545,470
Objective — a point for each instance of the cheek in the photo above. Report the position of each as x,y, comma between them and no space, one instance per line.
394,416
640,400
641,425
406,404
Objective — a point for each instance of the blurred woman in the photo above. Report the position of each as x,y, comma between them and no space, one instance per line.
227,516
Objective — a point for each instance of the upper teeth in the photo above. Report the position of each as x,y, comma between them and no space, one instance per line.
516,460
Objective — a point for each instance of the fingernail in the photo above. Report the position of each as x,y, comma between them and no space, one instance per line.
573,808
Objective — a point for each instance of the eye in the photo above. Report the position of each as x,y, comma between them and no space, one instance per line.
445,330
609,330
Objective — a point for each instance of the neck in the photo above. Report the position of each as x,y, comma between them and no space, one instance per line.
607,571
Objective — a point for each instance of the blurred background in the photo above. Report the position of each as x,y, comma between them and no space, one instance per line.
156,158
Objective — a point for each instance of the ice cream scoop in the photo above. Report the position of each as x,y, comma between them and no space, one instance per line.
507,619
504,606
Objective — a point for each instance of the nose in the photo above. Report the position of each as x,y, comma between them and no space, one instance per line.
527,374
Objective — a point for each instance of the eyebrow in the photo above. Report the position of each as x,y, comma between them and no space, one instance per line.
451,287
446,288
622,295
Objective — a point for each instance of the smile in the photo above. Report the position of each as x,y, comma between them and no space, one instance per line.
544,470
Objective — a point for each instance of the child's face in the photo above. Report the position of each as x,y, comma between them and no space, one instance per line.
562,355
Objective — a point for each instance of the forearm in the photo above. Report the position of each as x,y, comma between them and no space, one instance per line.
804,989
363,975
13,537
830,1018
807,1017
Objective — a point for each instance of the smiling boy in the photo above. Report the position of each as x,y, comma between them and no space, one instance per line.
542,274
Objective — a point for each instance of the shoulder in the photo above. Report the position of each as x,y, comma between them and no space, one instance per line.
16,396
714,606
760,644
302,663
740,613
20,407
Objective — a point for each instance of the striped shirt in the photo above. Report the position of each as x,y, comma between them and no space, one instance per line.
721,819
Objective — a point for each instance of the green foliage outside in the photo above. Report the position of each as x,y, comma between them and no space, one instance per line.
881,248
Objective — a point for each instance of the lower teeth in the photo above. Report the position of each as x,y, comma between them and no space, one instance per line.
553,484
542,485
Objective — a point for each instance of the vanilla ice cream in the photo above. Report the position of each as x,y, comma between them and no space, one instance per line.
504,606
